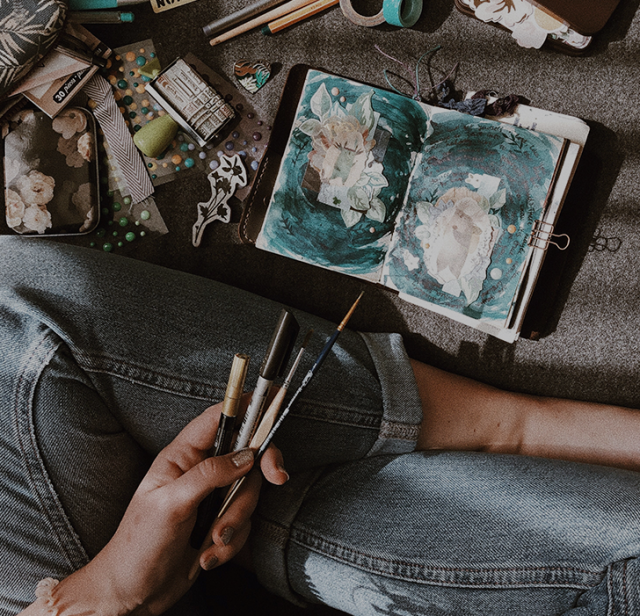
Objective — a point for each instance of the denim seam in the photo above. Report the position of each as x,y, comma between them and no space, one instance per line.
419,573
38,477
140,375
169,383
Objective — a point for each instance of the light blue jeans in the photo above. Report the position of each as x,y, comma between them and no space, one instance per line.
104,359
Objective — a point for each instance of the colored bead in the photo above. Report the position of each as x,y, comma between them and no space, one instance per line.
184,147
123,222
107,247
130,236
101,232
229,145
126,200
141,60
254,165
189,162
143,233
257,136
235,134
127,100
213,165
122,84
145,215
116,206
202,155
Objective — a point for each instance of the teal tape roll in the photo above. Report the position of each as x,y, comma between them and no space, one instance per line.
402,13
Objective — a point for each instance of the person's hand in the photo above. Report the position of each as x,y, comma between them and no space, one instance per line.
145,567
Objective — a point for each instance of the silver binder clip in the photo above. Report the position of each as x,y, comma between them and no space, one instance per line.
542,236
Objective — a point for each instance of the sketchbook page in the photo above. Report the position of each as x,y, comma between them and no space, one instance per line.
343,175
461,241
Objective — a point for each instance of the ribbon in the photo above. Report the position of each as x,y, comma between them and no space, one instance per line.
119,138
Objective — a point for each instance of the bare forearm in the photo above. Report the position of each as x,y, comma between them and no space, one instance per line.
462,414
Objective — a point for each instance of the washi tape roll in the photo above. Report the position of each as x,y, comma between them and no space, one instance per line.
362,20
402,13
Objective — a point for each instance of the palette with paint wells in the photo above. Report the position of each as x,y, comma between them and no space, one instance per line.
247,134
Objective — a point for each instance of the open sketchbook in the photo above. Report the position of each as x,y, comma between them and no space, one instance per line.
445,208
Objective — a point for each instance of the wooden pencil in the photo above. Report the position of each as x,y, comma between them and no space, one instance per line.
297,16
265,18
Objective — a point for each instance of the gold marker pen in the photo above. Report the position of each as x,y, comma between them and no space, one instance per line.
209,506
235,389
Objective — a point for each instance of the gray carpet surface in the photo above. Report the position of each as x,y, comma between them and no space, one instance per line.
589,345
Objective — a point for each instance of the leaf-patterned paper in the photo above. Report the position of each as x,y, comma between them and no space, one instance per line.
28,30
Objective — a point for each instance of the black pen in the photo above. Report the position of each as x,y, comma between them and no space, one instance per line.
273,365
207,509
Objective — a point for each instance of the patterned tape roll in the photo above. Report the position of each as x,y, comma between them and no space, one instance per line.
403,13
361,20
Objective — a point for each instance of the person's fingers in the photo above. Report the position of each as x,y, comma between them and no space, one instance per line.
211,473
193,444
272,466
217,555
228,533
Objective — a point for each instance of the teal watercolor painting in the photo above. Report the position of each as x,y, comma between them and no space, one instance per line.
462,239
433,203
344,175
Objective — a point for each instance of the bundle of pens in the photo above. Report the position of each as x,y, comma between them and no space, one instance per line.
258,426
269,15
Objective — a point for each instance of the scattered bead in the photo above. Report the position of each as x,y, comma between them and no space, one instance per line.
335,91
116,206
213,165
202,155
250,116
101,232
130,236
254,165
122,84
229,145
189,162
235,134
107,246
191,147
184,147
141,60
126,200
143,233
145,215
123,222
176,159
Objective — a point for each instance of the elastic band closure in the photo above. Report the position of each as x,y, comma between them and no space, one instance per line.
361,20
402,13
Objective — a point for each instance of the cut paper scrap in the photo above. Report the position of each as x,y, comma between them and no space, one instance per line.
224,180
530,25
